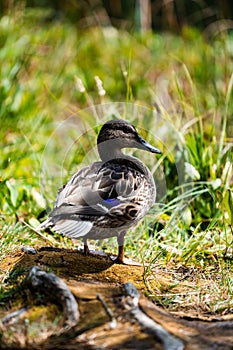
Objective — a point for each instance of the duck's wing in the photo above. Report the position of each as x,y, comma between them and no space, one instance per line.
97,195
82,181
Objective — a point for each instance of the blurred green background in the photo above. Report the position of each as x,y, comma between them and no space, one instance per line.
166,66
175,59
133,14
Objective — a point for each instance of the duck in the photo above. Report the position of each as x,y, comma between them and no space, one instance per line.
106,198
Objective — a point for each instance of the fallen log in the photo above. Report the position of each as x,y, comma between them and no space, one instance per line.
104,304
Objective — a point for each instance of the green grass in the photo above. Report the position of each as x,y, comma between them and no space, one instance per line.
178,88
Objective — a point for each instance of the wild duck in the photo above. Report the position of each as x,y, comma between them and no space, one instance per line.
109,196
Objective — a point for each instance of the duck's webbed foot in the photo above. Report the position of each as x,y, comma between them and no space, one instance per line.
120,256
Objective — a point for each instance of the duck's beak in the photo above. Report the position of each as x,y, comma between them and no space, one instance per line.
143,144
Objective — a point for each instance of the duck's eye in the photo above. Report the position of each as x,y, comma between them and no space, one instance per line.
128,130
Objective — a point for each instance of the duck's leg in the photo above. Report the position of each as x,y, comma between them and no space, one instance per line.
120,256
86,248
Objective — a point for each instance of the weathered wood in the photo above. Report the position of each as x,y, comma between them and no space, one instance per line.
148,324
114,314
55,290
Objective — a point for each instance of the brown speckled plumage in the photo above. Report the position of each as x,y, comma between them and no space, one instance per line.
108,197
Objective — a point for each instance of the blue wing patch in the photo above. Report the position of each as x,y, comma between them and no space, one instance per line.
112,202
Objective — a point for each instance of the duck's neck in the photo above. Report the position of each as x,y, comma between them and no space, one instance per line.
108,152
111,153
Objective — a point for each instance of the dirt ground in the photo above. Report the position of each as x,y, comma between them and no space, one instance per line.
112,309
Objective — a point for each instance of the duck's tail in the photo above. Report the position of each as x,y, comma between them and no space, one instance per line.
45,224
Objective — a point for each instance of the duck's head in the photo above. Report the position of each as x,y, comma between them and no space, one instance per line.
117,134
